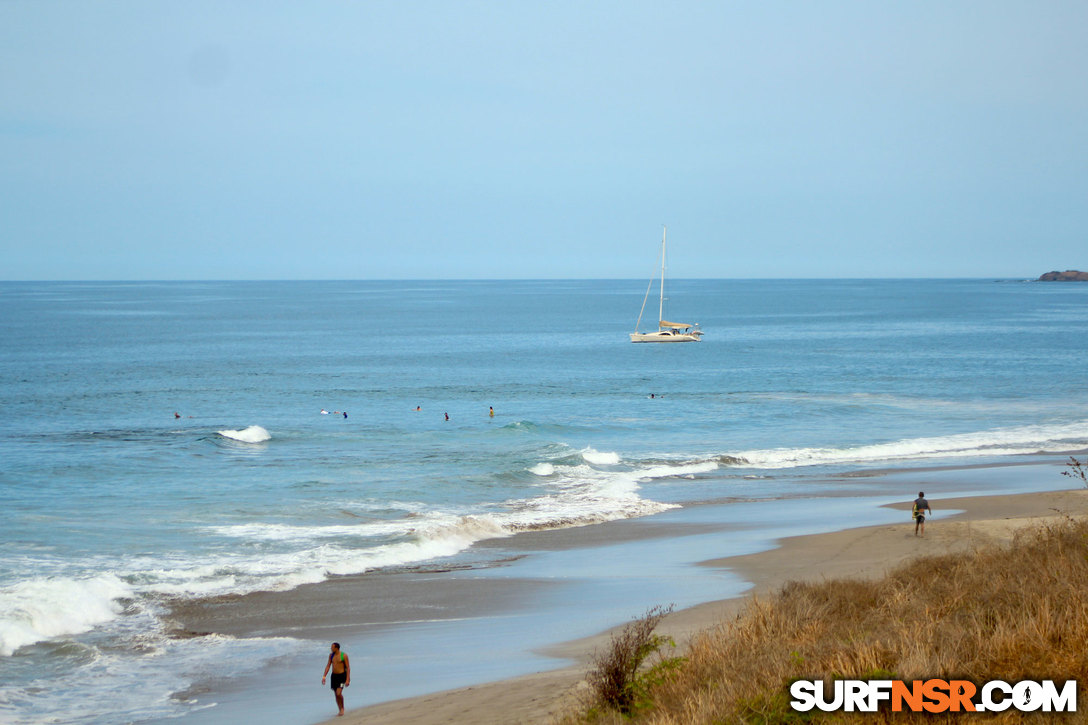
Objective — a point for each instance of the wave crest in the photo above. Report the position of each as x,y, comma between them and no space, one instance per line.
1020,440
38,609
597,458
252,434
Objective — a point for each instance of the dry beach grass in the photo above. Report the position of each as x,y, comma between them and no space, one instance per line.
1002,611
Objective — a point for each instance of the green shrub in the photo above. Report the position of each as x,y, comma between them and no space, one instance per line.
615,678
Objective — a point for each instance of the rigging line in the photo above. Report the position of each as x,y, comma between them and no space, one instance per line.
646,297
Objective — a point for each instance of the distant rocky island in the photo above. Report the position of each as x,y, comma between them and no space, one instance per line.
1069,275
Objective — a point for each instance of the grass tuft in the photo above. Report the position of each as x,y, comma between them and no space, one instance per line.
617,678
1077,470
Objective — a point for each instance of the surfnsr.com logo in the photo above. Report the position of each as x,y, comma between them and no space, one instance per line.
933,696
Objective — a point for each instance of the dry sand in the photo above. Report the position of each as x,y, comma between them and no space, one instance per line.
862,552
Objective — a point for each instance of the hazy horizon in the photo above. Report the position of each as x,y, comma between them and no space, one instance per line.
668,280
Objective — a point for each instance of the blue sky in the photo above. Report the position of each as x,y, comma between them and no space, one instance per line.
391,140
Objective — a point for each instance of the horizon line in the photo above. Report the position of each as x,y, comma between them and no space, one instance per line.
168,280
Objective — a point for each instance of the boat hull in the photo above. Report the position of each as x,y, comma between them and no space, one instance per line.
664,337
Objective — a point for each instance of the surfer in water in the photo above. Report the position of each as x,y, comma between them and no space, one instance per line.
341,674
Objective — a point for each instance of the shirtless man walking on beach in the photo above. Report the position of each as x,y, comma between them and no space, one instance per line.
341,674
921,508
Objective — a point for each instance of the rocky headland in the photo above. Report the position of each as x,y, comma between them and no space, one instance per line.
1069,275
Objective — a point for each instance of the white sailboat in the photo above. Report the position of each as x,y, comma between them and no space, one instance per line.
666,331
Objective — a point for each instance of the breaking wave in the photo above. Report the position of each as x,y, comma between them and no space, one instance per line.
1020,440
37,609
266,556
600,459
252,434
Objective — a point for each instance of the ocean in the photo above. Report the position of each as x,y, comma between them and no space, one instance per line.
172,442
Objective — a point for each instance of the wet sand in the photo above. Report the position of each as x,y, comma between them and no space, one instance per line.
312,611
860,552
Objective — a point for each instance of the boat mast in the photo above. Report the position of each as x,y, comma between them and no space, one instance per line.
661,303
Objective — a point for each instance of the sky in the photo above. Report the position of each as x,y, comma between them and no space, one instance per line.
505,140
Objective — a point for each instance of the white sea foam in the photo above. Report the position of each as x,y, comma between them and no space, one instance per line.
543,469
1020,440
437,539
37,609
252,434
278,556
583,494
679,469
285,532
435,536
598,458
135,682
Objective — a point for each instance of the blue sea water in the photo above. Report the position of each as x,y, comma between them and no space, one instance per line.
165,441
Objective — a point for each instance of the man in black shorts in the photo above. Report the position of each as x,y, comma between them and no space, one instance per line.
921,508
341,674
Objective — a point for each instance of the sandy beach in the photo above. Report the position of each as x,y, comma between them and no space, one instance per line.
854,552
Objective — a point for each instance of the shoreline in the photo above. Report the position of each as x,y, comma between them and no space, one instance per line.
528,610
861,552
